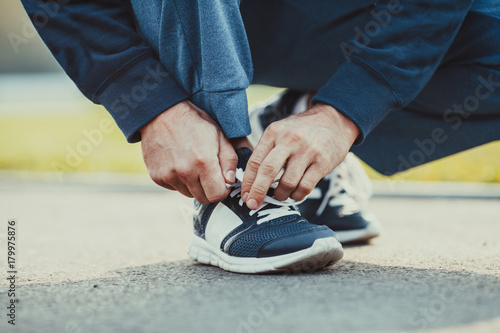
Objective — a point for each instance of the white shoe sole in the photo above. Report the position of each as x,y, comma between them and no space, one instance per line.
324,252
372,230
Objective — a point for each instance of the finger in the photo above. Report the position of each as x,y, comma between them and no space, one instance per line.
169,186
268,170
160,182
184,191
197,191
294,171
186,179
228,159
179,186
212,182
265,145
311,177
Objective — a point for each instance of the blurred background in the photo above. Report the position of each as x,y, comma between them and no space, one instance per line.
44,120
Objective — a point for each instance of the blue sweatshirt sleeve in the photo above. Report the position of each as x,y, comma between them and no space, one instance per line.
391,58
97,45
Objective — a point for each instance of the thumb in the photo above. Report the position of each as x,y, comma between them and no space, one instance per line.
228,159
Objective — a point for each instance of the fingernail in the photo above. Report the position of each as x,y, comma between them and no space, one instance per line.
252,204
231,176
244,197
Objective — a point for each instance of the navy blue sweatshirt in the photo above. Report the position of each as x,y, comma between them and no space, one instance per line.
96,42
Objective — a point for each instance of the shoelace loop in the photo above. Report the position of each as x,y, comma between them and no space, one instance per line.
268,214
339,192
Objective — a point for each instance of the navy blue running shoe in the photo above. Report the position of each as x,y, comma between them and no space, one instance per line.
338,203
340,199
274,237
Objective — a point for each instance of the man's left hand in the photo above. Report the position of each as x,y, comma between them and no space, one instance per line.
311,144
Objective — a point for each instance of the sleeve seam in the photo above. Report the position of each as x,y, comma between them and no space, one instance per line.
116,73
381,77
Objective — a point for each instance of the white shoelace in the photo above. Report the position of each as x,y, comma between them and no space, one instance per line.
339,192
359,180
284,208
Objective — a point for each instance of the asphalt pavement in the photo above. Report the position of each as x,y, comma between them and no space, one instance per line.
108,259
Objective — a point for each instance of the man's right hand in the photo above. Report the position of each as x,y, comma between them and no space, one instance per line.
185,150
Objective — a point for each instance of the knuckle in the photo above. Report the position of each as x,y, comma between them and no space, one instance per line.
274,128
155,176
322,161
295,137
314,150
254,164
166,176
201,162
233,158
306,187
259,191
183,171
288,184
268,169
205,165
317,151
298,196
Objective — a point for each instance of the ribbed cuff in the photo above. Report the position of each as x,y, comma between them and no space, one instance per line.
361,94
138,93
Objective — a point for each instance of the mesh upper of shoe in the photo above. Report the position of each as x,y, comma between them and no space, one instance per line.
249,244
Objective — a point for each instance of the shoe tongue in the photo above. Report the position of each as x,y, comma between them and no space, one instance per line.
243,157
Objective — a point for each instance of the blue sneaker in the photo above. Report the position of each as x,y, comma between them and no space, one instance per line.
340,199
274,237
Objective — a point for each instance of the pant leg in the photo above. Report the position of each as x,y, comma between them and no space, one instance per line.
295,44
203,44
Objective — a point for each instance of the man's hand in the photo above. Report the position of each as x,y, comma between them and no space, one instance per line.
311,144
185,150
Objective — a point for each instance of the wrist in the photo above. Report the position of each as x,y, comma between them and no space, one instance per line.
338,120
162,116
